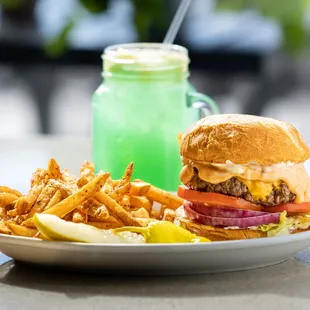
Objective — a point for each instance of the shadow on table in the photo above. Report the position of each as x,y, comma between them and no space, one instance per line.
291,278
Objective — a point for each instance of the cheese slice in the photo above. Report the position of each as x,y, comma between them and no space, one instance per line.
258,189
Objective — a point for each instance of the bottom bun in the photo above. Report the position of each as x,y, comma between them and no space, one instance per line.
218,233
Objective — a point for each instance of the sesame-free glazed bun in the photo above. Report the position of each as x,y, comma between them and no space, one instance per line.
243,139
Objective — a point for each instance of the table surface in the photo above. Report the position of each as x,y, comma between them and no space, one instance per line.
284,286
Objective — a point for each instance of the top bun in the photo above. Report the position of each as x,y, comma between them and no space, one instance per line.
243,139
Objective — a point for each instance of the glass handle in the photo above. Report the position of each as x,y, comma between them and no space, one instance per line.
205,104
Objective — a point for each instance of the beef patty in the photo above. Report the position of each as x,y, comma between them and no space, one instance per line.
234,187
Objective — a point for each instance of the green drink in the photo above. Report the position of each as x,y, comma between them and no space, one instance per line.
139,110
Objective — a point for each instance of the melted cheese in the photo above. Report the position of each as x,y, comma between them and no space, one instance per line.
259,179
258,189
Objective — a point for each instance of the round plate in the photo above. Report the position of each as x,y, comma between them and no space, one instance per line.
157,258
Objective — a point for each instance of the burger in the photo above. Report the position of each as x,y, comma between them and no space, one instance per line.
243,177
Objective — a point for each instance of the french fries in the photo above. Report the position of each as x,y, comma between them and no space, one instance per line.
126,177
53,170
141,213
5,189
71,202
96,200
105,225
116,209
7,199
138,202
4,228
168,215
54,200
43,200
24,203
79,216
163,197
39,177
19,230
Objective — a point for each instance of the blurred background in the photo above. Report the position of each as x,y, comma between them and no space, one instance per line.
252,56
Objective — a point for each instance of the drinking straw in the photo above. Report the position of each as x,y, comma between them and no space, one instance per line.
176,22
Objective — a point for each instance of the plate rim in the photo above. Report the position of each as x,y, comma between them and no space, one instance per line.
208,246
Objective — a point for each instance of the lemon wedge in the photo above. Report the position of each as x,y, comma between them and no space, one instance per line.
57,229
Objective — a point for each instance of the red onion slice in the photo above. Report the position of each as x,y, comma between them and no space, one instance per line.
222,211
244,222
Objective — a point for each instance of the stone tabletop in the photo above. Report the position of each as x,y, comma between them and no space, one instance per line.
283,286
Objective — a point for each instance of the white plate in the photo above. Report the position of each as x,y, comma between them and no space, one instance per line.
157,258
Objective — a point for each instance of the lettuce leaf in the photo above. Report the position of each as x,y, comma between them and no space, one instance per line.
280,229
286,225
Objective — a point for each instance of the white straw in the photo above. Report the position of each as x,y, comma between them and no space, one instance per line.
177,21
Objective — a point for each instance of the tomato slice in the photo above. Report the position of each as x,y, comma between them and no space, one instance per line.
290,208
216,200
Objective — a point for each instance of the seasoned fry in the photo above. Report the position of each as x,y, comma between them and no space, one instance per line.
5,189
169,215
139,188
145,221
40,236
42,201
119,192
115,183
7,199
18,219
79,216
125,202
116,210
3,228
77,198
29,223
109,219
25,203
108,186
19,230
105,225
81,182
53,170
155,214
87,173
142,213
67,177
119,195
87,170
54,200
126,177
163,197
179,138
101,213
39,177
2,212
137,202
161,211
65,188
112,219
94,210
68,217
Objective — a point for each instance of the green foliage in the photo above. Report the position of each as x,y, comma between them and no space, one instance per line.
289,13
59,44
148,14
95,6
12,4
231,5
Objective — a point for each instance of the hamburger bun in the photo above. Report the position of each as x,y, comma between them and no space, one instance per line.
243,139
218,233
